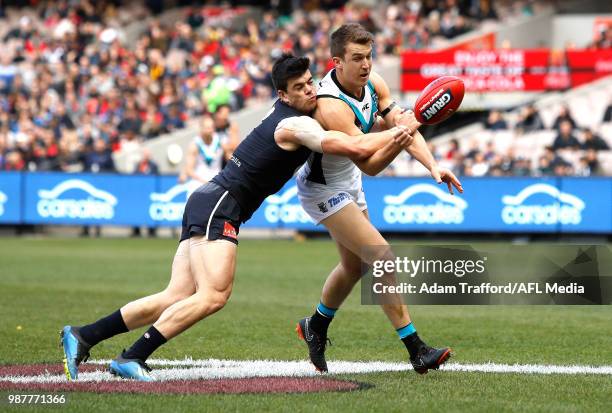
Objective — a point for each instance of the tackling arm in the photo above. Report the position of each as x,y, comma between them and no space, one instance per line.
305,131
336,115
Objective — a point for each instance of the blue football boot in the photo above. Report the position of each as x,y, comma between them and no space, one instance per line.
76,351
130,369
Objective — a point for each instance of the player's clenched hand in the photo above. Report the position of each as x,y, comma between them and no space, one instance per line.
444,175
401,136
406,118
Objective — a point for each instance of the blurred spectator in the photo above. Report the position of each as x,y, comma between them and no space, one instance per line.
608,114
595,142
13,161
480,166
604,39
529,120
100,158
521,167
564,115
474,149
146,166
454,149
495,121
592,162
565,138
583,168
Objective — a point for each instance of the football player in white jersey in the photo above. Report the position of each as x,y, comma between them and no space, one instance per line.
349,99
205,155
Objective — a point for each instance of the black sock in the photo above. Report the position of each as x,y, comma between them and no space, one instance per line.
104,328
145,345
413,343
320,323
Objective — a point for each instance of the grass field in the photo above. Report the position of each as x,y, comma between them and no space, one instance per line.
46,283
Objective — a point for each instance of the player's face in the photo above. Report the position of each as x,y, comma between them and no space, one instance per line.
301,93
208,127
356,64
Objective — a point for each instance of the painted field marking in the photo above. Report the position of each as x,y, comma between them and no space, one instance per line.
189,369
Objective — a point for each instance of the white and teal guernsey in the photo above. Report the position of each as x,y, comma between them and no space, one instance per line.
338,172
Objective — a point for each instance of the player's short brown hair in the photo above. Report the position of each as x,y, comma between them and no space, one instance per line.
349,33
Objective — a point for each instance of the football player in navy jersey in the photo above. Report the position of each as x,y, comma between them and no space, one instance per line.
204,263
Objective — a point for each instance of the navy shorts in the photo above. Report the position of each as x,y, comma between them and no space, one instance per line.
211,211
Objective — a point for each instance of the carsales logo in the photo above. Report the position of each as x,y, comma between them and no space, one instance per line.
564,209
278,208
3,199
444,208
168,206
95,203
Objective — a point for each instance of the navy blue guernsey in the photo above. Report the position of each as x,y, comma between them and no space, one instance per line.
259,167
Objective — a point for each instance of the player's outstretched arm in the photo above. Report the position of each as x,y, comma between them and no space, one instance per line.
305,131
394,115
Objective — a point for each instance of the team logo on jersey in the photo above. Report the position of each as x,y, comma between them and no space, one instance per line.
322,207
3,199
95,203
285,208
442,209
365,107
169,205
564,208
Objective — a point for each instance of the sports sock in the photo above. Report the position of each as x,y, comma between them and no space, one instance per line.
323,315
145,345
104,328
411,339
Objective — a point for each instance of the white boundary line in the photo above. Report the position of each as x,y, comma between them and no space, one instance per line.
189,369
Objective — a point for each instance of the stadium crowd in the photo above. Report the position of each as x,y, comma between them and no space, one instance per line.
73,89
574,151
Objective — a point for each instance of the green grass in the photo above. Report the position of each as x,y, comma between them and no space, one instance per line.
46,283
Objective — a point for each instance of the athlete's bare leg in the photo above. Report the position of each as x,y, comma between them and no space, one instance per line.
352,231
146,310
212,264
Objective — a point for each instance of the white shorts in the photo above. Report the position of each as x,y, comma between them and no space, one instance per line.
320,201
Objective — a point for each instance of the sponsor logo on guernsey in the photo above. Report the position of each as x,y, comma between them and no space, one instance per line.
93,203
442,209
563,208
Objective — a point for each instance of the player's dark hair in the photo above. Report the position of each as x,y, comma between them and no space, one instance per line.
288,67
349,33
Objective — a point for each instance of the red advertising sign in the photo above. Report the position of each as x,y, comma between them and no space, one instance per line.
506,70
